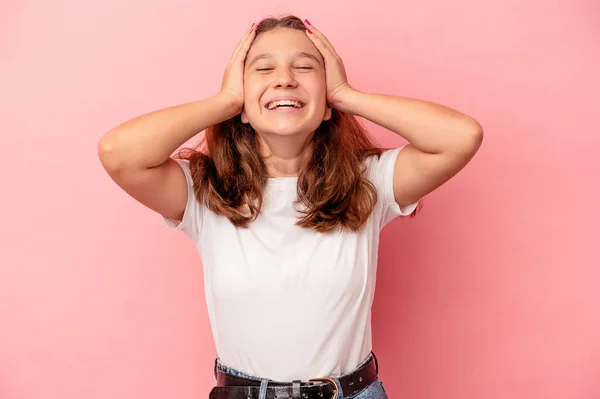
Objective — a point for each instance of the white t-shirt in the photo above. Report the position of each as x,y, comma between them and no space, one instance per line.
285,302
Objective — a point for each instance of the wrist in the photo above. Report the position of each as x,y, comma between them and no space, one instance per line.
230,102
347,100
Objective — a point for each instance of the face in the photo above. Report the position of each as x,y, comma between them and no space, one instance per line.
284,84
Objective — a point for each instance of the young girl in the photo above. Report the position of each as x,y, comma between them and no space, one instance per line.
286,204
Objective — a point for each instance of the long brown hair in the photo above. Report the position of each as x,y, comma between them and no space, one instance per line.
229,179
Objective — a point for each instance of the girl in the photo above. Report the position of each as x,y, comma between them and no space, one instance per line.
285,206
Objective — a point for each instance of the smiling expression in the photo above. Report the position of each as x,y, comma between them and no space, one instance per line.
284,84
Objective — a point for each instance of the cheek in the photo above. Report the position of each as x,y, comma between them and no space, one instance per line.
252,92
318,93
317,86
250,98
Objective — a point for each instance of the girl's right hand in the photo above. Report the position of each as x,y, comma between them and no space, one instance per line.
233,80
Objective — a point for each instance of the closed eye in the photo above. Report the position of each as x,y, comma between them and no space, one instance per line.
270,69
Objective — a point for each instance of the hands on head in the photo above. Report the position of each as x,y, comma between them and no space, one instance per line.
335,73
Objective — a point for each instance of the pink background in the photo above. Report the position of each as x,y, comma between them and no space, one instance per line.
491,293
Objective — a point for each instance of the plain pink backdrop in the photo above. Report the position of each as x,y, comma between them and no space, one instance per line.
493,292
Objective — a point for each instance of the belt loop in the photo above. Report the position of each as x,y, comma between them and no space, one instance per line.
215,369
376,363
296,389
340,392
263,389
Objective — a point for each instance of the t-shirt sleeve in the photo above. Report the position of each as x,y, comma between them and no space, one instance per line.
192,216
382,176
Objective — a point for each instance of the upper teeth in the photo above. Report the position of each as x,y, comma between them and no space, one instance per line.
275,104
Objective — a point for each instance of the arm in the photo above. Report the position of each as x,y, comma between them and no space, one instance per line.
136,154
149,140
442,141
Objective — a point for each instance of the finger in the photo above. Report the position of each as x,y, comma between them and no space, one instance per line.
240,43
244,43
243,53
325,51
318,36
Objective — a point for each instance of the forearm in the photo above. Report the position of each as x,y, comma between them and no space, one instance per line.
150,139
430,127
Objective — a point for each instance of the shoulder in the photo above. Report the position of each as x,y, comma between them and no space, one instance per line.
378,165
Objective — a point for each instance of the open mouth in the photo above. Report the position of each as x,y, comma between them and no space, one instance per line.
284,104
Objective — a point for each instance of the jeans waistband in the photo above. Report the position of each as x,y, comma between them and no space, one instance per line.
230,370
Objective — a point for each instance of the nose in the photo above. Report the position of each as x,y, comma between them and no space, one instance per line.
283,77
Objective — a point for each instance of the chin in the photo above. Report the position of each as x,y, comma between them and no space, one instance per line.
284,129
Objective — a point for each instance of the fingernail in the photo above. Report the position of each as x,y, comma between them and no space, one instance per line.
252,27
308,30
306,20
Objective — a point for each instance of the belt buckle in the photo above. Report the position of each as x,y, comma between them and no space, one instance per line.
329,380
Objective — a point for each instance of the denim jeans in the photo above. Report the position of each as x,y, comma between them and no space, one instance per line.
375,390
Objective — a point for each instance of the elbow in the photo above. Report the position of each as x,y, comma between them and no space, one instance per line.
108,154
477,130
467,142
474,137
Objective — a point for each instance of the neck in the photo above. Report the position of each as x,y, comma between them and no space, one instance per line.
284,156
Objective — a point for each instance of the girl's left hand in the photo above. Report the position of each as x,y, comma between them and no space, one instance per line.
335,73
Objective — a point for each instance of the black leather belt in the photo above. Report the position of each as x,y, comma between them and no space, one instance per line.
233,387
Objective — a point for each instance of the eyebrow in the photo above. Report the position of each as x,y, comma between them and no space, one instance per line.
301,54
